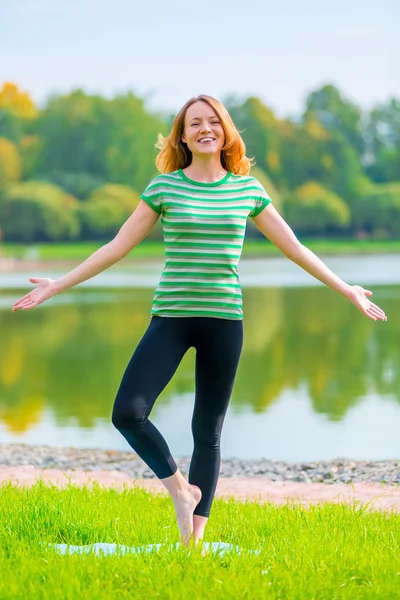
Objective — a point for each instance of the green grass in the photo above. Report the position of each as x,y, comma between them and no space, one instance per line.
151,249
326,552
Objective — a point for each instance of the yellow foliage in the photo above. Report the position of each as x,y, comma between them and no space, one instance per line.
17,102
273,160
309,190
328,163
316,130
22,417
10,162
13,361
29,142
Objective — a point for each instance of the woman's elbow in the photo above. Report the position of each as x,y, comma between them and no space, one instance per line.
118,249
294,251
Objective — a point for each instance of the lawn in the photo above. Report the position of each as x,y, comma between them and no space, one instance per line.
328,552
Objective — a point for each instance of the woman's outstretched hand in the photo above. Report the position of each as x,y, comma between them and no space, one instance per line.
359,297
45,289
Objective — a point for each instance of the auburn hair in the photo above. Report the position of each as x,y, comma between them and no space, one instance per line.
175,154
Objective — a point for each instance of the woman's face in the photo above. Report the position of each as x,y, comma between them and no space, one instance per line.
203,132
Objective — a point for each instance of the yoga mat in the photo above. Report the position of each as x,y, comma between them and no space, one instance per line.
102,549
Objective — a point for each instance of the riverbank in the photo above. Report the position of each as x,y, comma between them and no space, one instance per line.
31,253
372,483
95,460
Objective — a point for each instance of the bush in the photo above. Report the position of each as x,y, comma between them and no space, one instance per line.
35,211
312,209
377,210
78,184
106,209
10,163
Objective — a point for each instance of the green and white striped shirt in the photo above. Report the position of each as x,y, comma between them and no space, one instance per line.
203,229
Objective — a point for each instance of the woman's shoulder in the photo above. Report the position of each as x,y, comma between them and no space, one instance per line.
162,180
245,180
173,176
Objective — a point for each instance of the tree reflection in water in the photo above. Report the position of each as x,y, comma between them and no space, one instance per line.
69,357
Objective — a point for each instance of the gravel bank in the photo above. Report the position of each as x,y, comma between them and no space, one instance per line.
329,472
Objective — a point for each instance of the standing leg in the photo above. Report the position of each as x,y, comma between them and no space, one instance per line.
217,358
150,369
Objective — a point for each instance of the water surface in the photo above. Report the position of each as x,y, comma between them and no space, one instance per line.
316,380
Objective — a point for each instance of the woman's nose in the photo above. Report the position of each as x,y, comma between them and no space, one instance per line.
205,127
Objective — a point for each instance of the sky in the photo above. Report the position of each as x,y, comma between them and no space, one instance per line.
170,51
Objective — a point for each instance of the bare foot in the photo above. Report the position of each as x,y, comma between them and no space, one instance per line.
185,502
199,525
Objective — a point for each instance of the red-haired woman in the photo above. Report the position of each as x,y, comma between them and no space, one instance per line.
204,196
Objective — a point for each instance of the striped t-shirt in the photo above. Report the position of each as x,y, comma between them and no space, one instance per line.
203,228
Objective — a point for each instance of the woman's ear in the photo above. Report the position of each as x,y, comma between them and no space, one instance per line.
183,138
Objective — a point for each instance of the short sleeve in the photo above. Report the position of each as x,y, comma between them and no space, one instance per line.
261,199
152,195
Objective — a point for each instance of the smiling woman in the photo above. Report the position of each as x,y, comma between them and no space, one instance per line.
204,196
203,128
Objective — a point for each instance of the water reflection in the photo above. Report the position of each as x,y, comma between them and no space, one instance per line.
69,357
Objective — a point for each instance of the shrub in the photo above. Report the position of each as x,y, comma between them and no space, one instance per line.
377,210
35,211
313,209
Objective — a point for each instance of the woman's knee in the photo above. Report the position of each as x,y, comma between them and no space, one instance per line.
210,439
129,415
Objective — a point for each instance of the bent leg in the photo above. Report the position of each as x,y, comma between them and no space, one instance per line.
151,367
217,359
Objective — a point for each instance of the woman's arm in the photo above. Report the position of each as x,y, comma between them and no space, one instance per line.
275,228
131,233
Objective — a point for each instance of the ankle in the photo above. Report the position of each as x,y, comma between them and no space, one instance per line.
176,484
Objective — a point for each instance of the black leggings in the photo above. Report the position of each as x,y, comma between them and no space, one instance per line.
218,343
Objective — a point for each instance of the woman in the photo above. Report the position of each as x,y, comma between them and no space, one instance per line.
204,196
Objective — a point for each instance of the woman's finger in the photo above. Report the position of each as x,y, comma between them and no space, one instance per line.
376,312
22,299
377,308
27,304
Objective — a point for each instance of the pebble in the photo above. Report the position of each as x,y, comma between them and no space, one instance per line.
89,459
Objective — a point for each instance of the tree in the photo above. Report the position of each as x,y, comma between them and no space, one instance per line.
383,140
34,211
109,139
10,163
106,209
337,115
377,211
76,183
312,209
17,109
261,131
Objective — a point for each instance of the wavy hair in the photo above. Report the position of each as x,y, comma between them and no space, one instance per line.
175,154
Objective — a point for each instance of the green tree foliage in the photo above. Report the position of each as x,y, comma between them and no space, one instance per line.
106,209
377,211
10,163
344,147
17,110
81,142
37,211
312,209
383,136
337,115
261,131
76,183
304,155
110,139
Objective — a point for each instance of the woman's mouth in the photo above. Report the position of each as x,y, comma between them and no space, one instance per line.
206,140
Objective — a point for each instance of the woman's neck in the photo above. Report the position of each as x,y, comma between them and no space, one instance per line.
205,171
